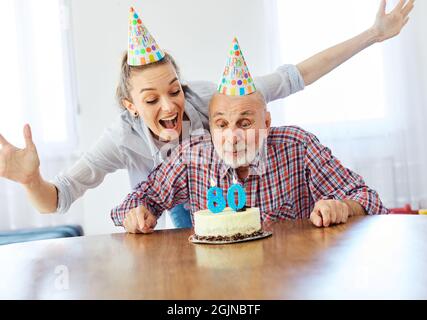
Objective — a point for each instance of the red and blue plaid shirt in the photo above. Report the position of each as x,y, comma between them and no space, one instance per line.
291,173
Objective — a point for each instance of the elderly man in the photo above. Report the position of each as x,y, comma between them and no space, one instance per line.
285,171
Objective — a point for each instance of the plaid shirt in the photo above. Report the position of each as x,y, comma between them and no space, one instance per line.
291,172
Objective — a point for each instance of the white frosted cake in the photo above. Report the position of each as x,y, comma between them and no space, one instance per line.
227,225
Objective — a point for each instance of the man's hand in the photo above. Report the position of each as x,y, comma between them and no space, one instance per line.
389,25
139,220
330,212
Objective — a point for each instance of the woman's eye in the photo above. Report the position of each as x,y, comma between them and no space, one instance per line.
221,125
151,101
175,93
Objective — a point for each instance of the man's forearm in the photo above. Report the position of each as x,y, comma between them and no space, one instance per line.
42,194
322,63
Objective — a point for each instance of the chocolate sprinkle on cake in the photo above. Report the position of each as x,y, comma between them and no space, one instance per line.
243,209
235,237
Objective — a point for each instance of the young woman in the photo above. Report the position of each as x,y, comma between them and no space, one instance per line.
158,111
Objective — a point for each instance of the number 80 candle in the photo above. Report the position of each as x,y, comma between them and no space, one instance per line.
216,201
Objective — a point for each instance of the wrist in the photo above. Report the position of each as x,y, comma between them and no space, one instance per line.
351,212
373,35
34,181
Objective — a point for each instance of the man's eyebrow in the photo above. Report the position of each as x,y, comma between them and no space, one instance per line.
148,89
216,114
244,113
247,113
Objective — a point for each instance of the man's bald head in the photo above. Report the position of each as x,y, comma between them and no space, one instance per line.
255,100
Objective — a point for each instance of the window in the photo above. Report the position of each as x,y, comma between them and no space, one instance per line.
353,92
37,82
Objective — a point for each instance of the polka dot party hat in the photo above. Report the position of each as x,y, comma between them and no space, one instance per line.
236,79
142,48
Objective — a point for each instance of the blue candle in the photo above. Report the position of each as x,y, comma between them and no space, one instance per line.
215,196
241,196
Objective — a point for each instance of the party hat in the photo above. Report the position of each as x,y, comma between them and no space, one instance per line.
236,79
142,48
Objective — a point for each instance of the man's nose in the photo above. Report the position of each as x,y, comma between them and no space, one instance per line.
233,139
234,135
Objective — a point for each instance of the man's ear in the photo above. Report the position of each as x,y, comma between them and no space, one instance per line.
129,106
268,120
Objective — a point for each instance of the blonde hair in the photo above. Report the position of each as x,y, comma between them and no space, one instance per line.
124,87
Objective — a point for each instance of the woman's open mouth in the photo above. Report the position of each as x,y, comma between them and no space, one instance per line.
170,122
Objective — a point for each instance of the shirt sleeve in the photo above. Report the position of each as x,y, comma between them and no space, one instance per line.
165,188
329,179
88,172
286,80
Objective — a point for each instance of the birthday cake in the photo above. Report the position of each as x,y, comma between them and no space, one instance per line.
228,225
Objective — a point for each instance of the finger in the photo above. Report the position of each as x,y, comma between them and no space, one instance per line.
344,218
3,141
342,209
133,221
337,212
349,212
399,6
405,22
383,5
127,225
331,207
150,221
346,212
140,218
333,214
408,8
316,218
28,137
147,230
326,216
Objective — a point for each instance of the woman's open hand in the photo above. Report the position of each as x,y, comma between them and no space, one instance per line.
19,165
388,25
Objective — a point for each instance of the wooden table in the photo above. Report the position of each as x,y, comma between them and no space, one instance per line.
369,257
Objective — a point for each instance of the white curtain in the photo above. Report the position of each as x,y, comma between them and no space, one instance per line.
371,111
37,86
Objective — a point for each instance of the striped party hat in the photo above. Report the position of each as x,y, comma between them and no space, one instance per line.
236,79
142,48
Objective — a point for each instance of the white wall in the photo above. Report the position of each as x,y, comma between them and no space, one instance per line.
197,33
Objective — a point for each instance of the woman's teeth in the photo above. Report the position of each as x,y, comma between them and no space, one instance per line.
169,123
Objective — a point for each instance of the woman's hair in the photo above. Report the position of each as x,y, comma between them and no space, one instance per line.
124,87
